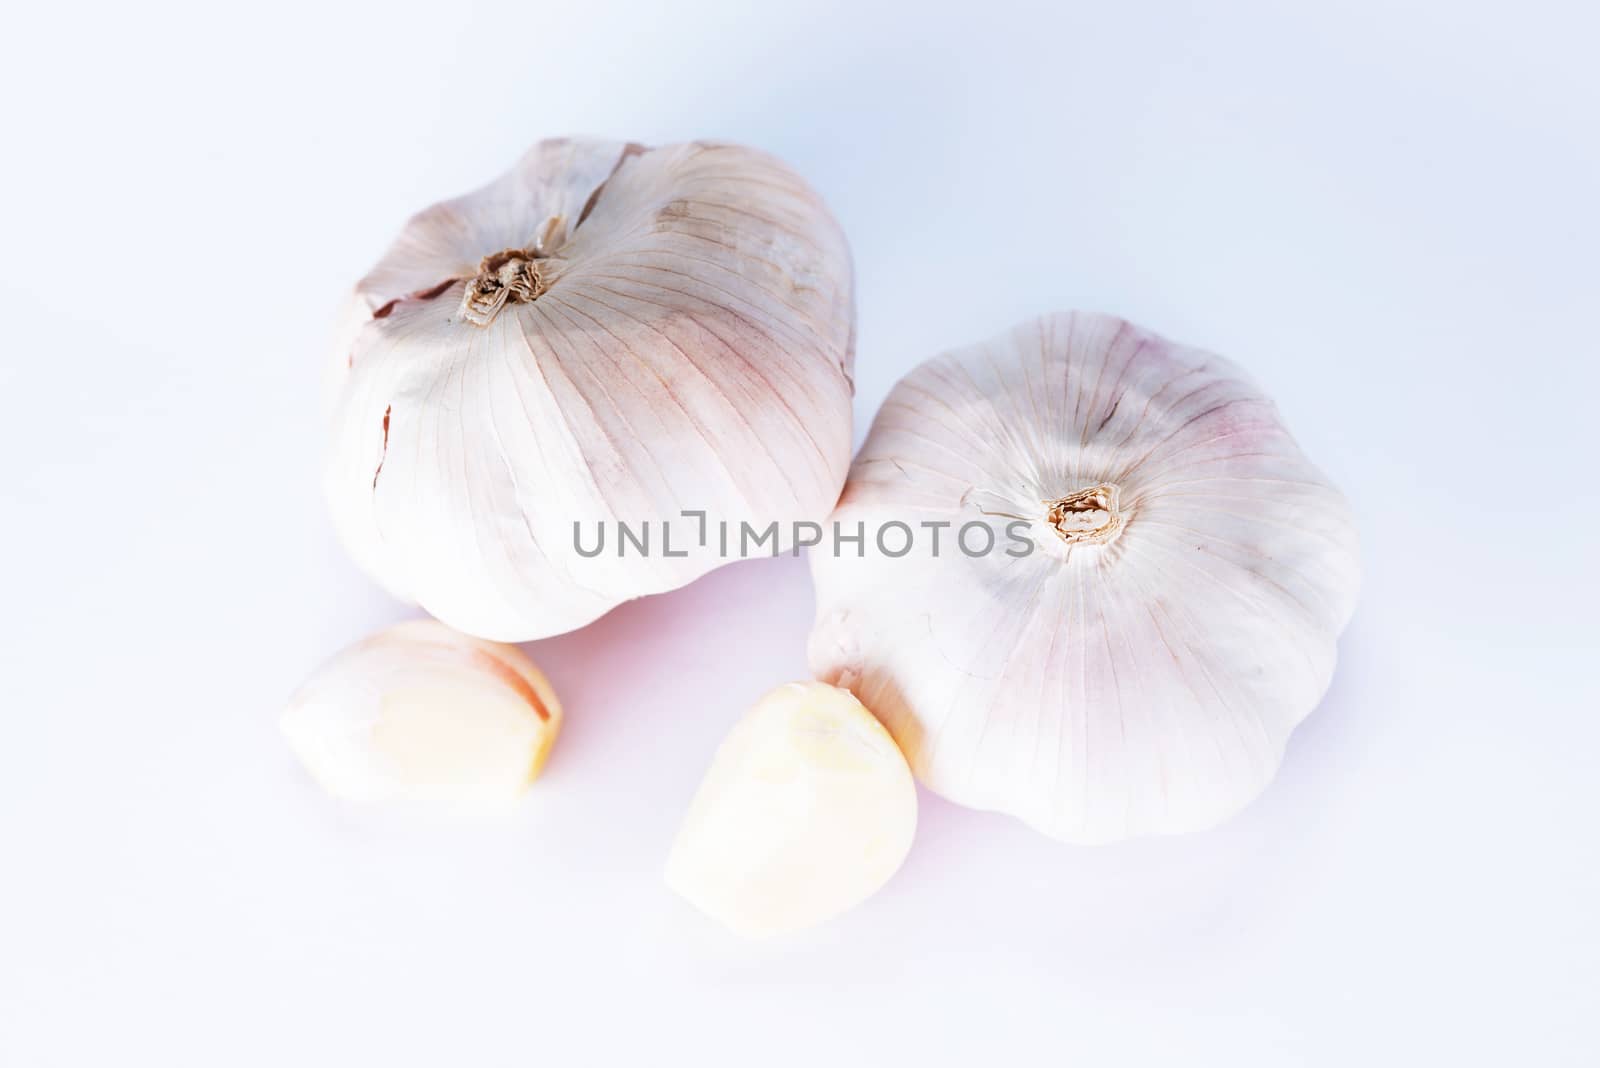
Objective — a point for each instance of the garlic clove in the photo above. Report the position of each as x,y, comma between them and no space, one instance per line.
1159,611
608,334
807,810
421,712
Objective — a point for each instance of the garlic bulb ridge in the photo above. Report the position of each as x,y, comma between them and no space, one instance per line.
1160,608
607,334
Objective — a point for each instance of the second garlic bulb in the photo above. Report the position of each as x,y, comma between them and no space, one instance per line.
1123,586
607,334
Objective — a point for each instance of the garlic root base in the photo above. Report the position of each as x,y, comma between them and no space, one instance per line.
807,810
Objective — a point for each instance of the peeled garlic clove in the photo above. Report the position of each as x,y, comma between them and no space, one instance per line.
1160,605
807,810
607,334
419,711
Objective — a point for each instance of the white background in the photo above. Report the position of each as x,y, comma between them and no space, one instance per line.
1386,211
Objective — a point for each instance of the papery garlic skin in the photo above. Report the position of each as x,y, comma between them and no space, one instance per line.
807,810
606,334
422,712
1141,668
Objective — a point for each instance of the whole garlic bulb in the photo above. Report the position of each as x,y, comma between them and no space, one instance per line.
421,712
607,334
1158,610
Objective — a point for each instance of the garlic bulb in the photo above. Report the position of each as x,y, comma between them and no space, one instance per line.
608,334
1135,597
419,711
807,810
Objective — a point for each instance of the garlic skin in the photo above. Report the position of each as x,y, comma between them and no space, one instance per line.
1187,571
609,333
421,712
807,810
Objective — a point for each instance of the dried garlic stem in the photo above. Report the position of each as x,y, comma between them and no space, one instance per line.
505,277
1089,516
